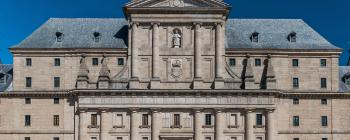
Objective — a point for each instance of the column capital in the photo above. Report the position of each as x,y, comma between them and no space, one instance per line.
249,110
270,110
134,23
133,110
104,110
155,110
197,23
155,23
198,110
219,24
219,110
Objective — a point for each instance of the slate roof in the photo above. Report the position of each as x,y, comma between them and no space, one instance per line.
273,34
78,33
7,70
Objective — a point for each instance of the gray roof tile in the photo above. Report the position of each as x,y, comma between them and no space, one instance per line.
7,70
273,34
78,33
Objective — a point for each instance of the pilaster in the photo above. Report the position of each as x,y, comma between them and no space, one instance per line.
219,124
249,125
134,124
156,123
82,125
270,129
134,80
198,122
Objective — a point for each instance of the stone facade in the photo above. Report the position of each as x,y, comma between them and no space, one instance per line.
175,70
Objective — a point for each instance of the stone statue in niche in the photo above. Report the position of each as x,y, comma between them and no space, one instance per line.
176,38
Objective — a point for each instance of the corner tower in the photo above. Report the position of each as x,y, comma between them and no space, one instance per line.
177,44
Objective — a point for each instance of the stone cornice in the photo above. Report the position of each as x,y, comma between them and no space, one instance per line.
254,93
68,50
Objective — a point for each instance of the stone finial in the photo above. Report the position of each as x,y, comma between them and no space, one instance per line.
83,75
249,81
270,70
104,72
83,70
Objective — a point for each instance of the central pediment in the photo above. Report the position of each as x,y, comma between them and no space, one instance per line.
177,7
178,4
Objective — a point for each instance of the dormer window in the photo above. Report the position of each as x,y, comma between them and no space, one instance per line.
2,78
59,36
347,81
292,37
255,37
97,36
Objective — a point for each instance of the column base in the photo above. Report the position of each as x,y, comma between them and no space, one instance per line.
155,83
219,83
198,83
134,83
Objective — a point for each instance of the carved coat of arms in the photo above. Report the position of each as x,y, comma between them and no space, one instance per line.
176,68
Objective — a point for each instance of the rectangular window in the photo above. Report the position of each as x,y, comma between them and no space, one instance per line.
144,119
207,138
323,62
295,138
323,82
93,138
295,101
259,138
2,78
56,120
57,62
324,101
295,82
119,120
27,120
120,61
176,120
259,119
295,120
324,138
257,62
233,119
56,82
29,62
28,101
119,138
56,100
208,119
94,119
26,138
295,62
233,138
324,121
28,82
94,61
56,138
232,62
144,138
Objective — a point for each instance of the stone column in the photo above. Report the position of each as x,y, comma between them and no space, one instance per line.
82,125
134,50
155,51
249,125
134,125
219,51
219,125
104,123
198,118
270,130
197,51
156,124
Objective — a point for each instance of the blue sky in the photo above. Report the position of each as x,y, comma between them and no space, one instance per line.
19,18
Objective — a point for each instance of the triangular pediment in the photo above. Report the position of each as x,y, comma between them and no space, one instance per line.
177,4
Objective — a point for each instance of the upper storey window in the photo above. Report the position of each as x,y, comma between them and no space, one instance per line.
59,37
255,37
97,36
28,61
292,37
2,78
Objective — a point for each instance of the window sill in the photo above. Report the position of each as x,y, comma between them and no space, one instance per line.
233,126
144,126
176,126
259,126
118,126
208,126
93,126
